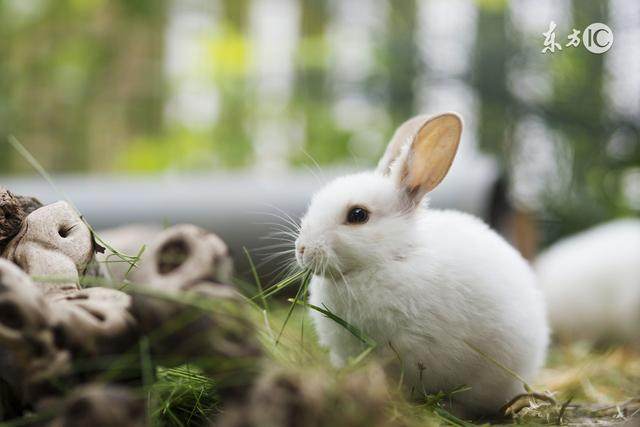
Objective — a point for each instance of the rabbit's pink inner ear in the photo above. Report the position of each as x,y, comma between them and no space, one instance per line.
431,154
403,135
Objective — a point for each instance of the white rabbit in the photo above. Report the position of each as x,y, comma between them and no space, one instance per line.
592,283
436,287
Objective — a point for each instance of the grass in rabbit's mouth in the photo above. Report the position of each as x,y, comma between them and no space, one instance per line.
590,385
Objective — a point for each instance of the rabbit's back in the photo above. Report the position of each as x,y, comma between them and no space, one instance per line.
490,293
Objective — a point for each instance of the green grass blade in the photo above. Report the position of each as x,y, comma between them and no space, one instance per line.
349,327
134,264
280,285
256,277
301,291
450,419
509,371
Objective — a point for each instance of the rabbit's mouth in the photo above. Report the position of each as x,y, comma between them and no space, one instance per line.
310,260
318,263
328,269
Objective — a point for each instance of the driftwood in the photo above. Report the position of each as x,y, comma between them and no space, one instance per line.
100,406
29,356
49,322
301,398
182,288
54,245
186,255
94,321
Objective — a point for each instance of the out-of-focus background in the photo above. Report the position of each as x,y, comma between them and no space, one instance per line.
159,110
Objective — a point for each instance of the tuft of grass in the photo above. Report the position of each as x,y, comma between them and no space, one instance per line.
183,396
356,332
256,278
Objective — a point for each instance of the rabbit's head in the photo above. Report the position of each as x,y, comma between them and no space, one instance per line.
359,220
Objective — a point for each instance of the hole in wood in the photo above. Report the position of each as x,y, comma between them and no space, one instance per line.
172,255
10,315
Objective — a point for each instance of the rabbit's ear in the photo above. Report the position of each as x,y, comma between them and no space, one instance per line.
401,137
422,164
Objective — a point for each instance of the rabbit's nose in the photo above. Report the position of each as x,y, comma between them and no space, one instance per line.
301,250
299,253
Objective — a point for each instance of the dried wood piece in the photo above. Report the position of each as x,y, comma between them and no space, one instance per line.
94,321
13,209
309,397
184,255
183,310
101,406
29,357
182,294
39,335
208,325
55,245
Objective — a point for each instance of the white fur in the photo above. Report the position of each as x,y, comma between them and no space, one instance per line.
432,283
592,283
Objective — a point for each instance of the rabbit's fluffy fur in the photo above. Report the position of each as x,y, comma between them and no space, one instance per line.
433,288
592,283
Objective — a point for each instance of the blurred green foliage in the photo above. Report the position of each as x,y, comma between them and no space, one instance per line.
83,83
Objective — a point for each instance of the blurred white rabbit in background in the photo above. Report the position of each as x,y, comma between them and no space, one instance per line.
592,283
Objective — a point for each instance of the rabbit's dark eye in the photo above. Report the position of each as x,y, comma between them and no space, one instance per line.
357,215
